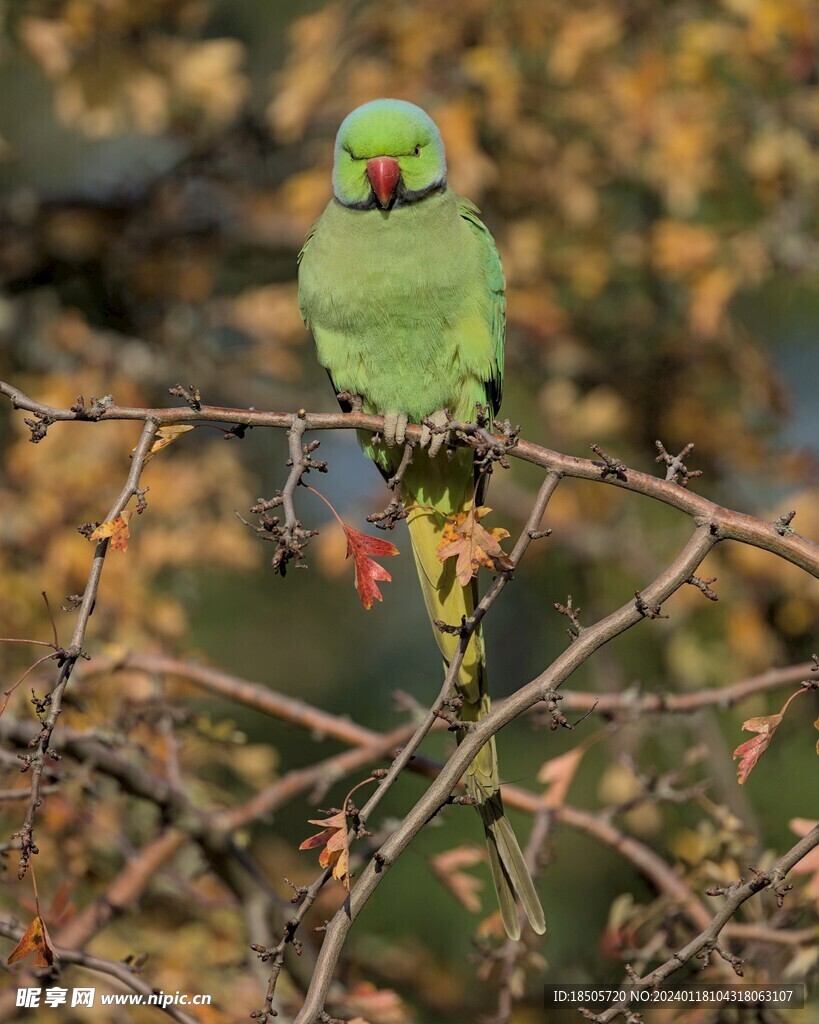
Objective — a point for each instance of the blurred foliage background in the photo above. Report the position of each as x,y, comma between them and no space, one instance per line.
649,172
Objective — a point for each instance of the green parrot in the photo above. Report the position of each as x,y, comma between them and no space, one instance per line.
403,289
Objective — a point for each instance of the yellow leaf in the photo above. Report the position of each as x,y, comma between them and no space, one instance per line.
165,436
117,530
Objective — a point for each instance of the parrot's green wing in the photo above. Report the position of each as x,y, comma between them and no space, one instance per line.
299,258
345,406
497,285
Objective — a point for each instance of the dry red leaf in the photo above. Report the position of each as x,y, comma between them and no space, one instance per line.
35,940
751,750
335,838
749,753
472,544
368,573
117,530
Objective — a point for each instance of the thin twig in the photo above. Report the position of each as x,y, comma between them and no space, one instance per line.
36,759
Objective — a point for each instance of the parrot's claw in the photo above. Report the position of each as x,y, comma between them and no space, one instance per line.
395,428
435,439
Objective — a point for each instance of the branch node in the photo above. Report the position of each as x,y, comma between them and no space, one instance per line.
677,471
573,615
648,612
704,586
611,466
39,426
190,394
557,720
299,891
735,961
782,525
99,406
461,630
454,723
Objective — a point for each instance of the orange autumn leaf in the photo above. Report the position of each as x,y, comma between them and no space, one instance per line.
472,544
335,838
751,750
36,941
368,573
118,530
447,868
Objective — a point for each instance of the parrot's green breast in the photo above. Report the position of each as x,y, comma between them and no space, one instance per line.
400,306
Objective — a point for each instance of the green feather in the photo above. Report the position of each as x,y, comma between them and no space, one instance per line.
408,310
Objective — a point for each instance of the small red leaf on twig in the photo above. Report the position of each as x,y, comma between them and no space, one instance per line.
751,750
368,573
364,549
471,544
749,753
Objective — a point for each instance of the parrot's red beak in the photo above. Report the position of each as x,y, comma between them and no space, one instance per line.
383,172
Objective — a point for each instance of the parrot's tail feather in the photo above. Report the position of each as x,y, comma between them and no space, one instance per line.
509,870
504,887
448,601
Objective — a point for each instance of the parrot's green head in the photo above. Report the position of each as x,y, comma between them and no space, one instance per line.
388,153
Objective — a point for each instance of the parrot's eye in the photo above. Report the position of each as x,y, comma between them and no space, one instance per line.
416,151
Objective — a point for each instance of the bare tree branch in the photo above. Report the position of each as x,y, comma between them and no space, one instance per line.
213,830
725,523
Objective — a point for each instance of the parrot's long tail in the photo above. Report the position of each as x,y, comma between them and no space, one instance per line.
447,600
